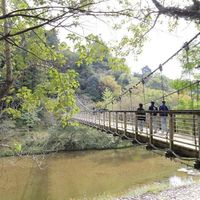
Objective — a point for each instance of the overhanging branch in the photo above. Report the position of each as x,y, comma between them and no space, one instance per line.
190,12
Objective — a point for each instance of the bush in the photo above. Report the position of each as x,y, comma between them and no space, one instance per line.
82,138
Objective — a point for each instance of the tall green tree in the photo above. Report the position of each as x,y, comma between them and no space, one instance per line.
27,31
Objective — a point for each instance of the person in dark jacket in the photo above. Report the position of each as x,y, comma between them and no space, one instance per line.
152,107
141,117
163,116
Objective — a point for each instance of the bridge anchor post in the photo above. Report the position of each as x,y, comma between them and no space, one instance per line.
149,147
134,141
197,164
169,154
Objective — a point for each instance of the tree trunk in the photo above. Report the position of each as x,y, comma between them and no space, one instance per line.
4,89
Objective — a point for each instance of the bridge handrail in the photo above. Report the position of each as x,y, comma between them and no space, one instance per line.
147,111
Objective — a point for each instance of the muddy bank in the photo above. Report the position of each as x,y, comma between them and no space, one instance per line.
187,192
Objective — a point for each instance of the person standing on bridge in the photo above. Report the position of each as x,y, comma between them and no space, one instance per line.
163,116
141,117
153,108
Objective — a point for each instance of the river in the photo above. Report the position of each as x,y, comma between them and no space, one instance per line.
83,174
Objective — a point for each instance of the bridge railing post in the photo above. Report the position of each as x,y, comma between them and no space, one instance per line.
91,117
150,128
86,117
99,119
104,120
116,121
109,120
136,126
82,116
198,129
125,123
95,118
171,131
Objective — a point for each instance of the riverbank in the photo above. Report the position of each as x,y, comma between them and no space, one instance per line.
54,139
188,192
185,192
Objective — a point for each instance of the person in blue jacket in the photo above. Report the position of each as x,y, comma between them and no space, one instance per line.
163,116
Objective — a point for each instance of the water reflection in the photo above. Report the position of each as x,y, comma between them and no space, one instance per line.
190,171
82,174
177,181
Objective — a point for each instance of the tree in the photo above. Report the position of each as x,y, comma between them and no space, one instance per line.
109,83
28,26
93,88
106,99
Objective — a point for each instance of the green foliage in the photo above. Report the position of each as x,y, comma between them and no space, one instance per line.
107,95
158,81
172,24
13,113
178,84
6,127
82,138
95,78
93,88
190,60
30,101
29,119
57,94
106,99
17,147
123,79
52,39
95,50
109,82
42,65
57,138
118,64
30,78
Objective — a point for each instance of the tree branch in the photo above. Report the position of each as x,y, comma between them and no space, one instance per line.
190,12
26,50
153,25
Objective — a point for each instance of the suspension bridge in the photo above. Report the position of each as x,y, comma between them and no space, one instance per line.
181,136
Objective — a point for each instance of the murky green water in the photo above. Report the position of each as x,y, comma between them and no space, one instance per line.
79,175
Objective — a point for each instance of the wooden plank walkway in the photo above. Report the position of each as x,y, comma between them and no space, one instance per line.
181,139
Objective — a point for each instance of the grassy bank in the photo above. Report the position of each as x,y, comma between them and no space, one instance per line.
70,138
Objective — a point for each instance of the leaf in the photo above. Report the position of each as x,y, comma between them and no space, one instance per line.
17,147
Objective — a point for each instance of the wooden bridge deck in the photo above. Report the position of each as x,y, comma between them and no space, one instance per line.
182,136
